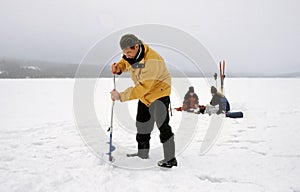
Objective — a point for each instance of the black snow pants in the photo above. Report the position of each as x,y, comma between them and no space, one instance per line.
158,113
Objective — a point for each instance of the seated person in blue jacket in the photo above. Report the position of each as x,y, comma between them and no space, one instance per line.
218,99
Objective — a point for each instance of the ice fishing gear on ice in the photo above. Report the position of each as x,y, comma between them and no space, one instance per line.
216,76
222,75
110,129
237,114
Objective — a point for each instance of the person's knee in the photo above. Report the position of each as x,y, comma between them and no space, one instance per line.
142,137
165,135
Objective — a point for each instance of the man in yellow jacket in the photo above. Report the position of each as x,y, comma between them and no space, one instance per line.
152,86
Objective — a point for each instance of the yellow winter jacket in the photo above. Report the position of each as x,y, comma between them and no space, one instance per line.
151,78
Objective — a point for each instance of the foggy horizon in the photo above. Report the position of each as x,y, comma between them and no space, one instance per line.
254,37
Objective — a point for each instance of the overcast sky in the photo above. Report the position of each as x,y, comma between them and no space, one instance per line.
253,36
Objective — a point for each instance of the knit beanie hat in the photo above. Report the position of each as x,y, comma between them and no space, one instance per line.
213,89
191,89
128,40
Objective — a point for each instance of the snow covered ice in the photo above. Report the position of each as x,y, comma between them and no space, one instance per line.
41,148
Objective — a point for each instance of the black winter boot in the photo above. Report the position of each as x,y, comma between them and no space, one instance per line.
143,151
167,164
169,153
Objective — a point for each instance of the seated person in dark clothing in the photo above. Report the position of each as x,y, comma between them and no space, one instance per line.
191,101
219,99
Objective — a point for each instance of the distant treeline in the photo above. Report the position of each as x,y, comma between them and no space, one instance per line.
40,69
15,69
